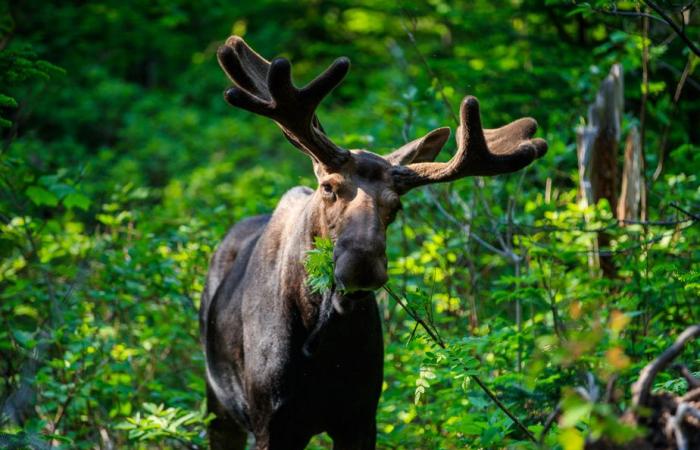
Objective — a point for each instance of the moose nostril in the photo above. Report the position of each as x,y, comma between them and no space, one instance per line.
358,271
369,250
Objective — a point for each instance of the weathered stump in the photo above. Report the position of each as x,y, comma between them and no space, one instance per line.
597,143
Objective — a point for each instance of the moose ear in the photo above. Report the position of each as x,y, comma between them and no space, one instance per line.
423,149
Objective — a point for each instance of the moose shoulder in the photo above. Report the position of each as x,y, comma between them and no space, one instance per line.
282,362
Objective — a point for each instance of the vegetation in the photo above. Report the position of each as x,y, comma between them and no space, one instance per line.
121,167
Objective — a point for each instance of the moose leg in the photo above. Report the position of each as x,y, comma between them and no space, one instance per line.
283,431
282,442
224,432
360,437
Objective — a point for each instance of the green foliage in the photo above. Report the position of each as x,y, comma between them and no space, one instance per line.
319,266
159,423
18,66
122,169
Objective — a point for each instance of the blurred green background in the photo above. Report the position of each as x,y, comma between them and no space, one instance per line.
121,167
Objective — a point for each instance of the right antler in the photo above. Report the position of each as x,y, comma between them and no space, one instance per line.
266,88
479,151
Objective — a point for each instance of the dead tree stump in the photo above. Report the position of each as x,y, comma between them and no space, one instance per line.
597,143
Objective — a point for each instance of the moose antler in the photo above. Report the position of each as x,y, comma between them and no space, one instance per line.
479,151
265,88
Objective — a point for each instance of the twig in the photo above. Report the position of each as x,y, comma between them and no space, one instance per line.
412,38
693,383
671,23
467,228
503,408
431,332
643,214
675,422
617,12
610,389
549,422
547,285
691,82
693,395
436,338
663,150
641,390
612,225
622,250
687,213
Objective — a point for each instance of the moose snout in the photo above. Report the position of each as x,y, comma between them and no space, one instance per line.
360,269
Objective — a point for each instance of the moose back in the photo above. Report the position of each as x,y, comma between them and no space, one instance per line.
284,363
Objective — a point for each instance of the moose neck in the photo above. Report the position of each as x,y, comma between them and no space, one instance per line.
302,224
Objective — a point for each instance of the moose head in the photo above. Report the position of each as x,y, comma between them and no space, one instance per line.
358,193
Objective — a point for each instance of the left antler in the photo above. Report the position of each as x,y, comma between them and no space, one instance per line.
266,88
479,151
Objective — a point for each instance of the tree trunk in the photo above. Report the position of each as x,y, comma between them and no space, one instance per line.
597,143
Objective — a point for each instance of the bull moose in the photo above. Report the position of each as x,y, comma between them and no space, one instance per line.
285,363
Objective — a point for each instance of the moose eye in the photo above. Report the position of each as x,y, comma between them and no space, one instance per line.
327,190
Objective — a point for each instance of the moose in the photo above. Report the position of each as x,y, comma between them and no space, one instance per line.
285,363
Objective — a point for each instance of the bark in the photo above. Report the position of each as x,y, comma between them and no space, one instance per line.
597,143
628,206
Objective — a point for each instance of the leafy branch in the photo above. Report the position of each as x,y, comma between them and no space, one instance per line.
174,423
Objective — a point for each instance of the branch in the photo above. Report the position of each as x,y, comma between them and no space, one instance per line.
435,338
424,61
428,329
691,82
466,229
641,390
687,213
616,12
549,422
671,23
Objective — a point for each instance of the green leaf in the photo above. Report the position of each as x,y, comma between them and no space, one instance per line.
581,9
40,196
575,412
7,101
77,200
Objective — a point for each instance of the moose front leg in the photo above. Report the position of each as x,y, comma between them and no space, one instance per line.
283,432
224,432
361,436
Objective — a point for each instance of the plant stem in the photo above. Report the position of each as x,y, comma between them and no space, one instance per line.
436,338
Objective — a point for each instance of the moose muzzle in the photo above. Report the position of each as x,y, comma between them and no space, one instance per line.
362,269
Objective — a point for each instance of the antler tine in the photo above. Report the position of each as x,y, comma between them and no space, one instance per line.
244,66
323,84
479,151
266,88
